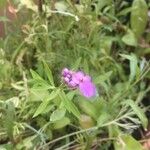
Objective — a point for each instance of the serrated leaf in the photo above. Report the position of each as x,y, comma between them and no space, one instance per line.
139,17
139,112
129,38
127,142
57,114
69,105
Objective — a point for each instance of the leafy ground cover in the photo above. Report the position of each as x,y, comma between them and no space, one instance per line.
107,40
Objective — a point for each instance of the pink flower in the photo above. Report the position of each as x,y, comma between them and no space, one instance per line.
79,80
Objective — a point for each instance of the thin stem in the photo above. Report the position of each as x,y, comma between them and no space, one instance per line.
65,13
68,135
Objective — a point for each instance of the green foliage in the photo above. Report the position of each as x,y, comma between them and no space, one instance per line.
57,114
129,38
127,142
139,17
139,112
109,40
69,105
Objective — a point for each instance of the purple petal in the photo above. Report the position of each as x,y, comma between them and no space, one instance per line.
78,77
65,71
75,80
68,75
87,78
72,84
88,89
66,79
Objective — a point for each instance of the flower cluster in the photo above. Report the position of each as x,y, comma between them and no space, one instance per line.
79,80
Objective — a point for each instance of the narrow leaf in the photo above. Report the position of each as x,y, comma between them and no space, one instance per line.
48,73
45,102
70,106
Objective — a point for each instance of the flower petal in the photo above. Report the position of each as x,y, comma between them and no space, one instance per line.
72,84
87,78
87,88
79,75
65,71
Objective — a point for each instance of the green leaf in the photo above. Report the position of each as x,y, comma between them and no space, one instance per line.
125,11
76,65
39,82
9,119
8,146
48,73
139,17
88,107
86,67
37,95
103,77
70,106
41,108
102,3
103,118
106,43
57,114
71,94
139,112
45,102
129,38
86,122
133,65
35,75
127,142
61,123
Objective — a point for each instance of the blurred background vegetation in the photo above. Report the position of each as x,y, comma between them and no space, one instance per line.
110,40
